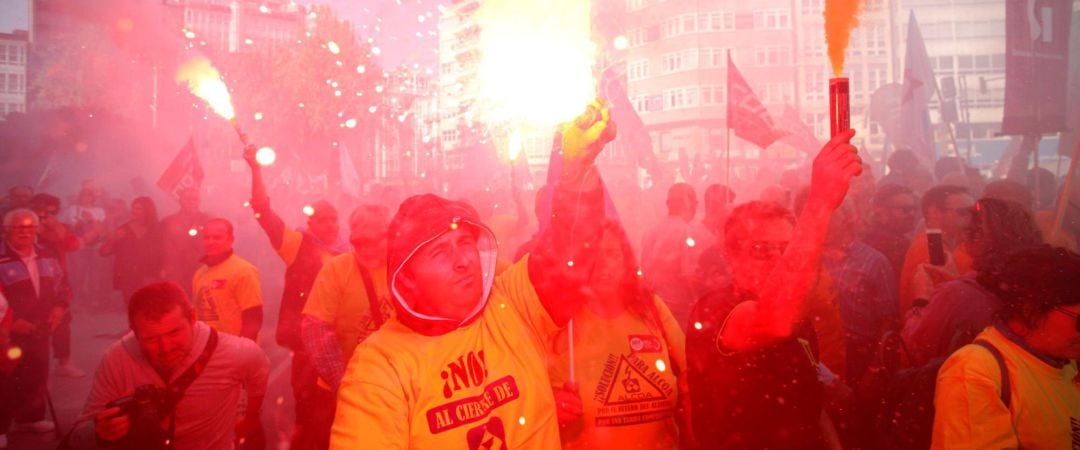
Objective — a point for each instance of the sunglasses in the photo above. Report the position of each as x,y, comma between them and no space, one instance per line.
1075,316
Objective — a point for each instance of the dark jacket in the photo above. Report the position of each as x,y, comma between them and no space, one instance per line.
300,273
25,303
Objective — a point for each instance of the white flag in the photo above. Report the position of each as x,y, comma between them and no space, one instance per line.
350,180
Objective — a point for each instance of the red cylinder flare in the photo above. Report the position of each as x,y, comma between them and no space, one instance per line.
839,106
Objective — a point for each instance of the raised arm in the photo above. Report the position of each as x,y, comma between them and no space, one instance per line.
270,222
777,310
560,265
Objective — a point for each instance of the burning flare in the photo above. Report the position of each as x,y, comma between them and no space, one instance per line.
536,61
841,16
204,81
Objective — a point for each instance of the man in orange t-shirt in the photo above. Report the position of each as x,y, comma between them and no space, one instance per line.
947,208
461,364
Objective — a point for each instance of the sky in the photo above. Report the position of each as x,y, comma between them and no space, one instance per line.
14,15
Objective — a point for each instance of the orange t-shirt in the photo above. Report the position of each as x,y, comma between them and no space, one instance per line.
626,375
224,291
481,386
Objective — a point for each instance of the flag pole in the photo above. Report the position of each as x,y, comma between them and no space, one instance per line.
1066,194
948,126
570,338
727,126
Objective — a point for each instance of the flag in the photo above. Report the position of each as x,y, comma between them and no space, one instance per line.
799,135
746,116
184,172
350,180
632,136
1036,66
885,108
915,132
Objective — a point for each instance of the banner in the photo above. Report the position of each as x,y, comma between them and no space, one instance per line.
632,134
184,172
915,132
1036,66
746,116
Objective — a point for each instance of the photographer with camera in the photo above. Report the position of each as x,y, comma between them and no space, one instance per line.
174,382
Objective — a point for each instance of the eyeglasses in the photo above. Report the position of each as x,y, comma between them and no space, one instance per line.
766,250
1075,316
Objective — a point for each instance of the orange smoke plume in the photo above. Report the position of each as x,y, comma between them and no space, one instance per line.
841,16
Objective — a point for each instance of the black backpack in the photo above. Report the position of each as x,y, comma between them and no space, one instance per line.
904,418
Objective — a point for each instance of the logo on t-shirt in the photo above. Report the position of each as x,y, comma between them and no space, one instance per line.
630,392
645,344
489,436
206,307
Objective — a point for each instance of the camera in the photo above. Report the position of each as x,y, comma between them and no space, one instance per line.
147,410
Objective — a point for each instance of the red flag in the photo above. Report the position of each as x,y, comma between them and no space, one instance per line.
799,135
184,171
745,113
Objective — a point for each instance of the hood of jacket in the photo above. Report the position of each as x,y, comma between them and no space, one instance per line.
420,220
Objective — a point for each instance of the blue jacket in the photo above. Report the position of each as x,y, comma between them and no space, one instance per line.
25,303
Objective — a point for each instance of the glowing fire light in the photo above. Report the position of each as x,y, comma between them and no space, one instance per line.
514,146
265,156
14,353
333,47
351,123
309,210
204,81
193,232
841,16
620,42
537,63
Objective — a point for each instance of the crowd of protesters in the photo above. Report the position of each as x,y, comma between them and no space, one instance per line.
928,309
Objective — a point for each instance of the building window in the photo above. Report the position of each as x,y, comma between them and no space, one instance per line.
684,97
815,88
635,37
670,27
713,95
772,19
679,61
772,56
713,57
636,70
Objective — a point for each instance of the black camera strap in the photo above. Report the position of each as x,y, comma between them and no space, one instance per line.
373,299
175,390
